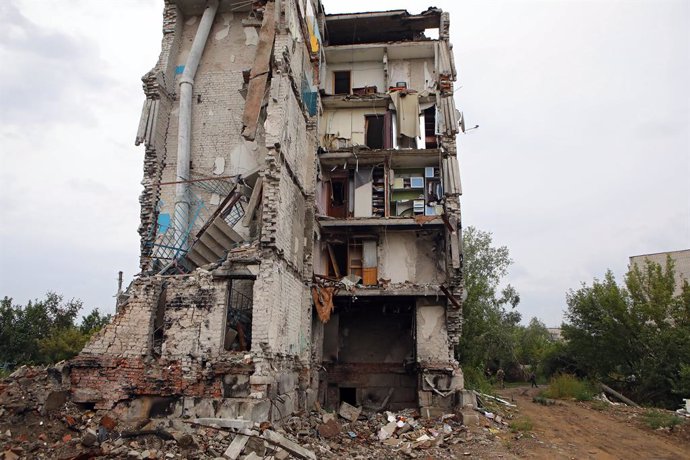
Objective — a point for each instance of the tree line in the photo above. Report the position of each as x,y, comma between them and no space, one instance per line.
633,336
44,331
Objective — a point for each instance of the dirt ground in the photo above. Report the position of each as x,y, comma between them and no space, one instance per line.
585,430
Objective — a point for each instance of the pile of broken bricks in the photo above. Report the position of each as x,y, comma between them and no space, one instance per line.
39,422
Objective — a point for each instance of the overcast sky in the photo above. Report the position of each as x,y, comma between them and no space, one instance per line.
582,158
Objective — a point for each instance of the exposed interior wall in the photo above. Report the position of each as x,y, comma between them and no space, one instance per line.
419,74
348,123
411,257
217,147
369,73
432,335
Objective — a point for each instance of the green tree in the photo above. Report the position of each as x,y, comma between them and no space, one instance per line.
636,336
44,330
489,314
93,322
532,343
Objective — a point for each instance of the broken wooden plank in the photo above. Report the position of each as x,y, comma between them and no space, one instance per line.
292,447
258,76
331,255
253,202
617,395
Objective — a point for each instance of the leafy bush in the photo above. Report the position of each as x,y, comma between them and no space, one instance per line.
475,379
566,386
659,419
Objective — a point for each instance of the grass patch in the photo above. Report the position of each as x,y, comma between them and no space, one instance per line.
521,425
601,406
656,419
566,386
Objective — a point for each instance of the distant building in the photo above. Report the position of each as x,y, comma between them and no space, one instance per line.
681,259
555,334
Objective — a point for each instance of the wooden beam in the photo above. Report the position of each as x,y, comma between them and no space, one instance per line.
331,254
258,76
253,202
450,296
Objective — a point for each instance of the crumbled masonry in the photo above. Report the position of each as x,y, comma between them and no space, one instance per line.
301,237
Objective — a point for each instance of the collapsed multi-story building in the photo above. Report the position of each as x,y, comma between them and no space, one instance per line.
300,219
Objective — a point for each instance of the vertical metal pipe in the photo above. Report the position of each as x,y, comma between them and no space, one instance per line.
184,136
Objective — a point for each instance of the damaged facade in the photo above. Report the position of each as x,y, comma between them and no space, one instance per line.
300,219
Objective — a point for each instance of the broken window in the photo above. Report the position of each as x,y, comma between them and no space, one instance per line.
238,323
341,82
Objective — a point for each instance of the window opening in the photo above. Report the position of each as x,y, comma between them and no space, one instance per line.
341,82
238,324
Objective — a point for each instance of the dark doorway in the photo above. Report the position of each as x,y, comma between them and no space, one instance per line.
348,395
430,128
374,127
337,196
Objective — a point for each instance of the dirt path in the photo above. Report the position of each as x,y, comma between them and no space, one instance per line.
575,430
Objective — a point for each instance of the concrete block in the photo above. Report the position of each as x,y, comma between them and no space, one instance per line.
469,417
349,412
432,412
236,446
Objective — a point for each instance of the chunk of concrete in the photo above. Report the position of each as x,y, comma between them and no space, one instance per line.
236,446
349,412
387,430
469,417
237,423
290,446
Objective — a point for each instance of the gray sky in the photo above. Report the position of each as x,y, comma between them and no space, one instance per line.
582,157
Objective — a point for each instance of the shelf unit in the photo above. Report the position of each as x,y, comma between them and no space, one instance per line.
416,191
378,193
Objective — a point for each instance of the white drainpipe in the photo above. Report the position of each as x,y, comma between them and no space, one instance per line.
184,136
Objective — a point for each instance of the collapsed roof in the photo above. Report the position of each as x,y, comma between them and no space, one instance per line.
380,26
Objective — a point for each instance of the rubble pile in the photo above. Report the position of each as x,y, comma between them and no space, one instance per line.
38,421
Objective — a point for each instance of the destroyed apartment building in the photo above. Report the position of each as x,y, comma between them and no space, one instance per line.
300,219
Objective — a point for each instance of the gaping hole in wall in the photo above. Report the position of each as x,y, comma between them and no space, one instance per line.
374,131
238,322
341,82
159,325
348,395
369,351
355,257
